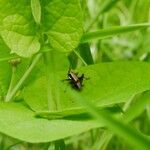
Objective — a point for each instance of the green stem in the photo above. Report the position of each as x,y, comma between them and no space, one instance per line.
80,58
11,83
24,77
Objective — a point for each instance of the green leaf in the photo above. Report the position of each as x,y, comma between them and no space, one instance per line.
63,23
24,46
19,122
107,83
105,33
18,28
36,10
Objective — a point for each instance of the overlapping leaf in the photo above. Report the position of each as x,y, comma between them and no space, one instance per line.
60,21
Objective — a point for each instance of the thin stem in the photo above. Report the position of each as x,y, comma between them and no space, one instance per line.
11,83
24,77
80,58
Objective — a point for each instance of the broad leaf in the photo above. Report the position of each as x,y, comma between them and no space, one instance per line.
107,83
24,46
62,20
18,29
19,122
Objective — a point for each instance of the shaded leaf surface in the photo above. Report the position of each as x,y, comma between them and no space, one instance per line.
85,53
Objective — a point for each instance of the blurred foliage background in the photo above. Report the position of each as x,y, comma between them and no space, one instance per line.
101,14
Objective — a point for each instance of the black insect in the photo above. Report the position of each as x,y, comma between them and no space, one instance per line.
75,80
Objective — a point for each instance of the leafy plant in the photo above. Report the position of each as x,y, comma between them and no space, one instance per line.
40,41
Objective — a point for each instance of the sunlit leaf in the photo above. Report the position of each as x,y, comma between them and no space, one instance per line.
19,122
106,83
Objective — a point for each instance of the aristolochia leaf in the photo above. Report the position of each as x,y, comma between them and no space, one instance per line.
24,46
62,20
18,28
23,24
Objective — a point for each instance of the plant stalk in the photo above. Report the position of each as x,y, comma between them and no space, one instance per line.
11,83
24,77
78,55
